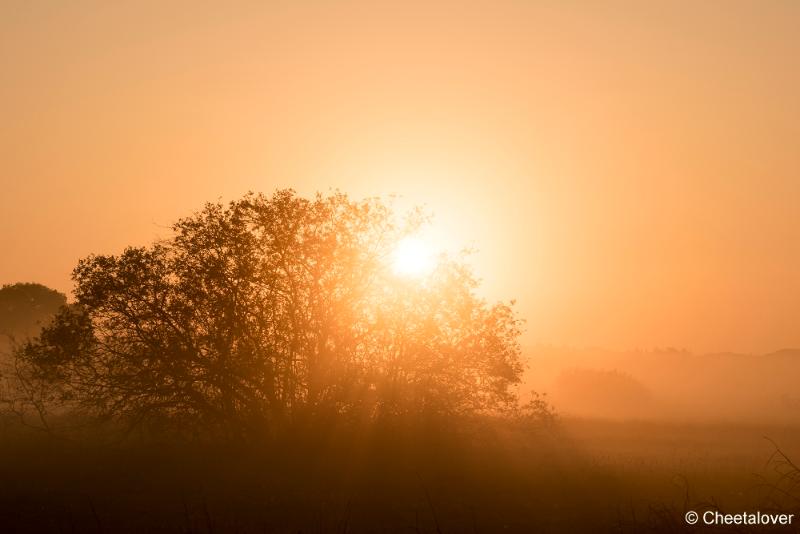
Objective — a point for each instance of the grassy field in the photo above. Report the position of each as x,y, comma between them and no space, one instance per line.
582,476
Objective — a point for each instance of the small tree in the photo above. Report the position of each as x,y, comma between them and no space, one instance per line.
25,308
272,309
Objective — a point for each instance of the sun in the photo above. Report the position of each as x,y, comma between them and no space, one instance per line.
412,257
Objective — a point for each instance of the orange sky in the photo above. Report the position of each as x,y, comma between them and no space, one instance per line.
629,172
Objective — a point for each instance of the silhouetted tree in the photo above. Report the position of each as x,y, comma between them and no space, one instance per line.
271,310
25,308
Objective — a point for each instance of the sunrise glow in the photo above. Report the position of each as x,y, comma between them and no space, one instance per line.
412,257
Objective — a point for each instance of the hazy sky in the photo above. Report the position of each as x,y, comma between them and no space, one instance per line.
629,172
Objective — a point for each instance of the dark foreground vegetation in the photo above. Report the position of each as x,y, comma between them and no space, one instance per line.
490,476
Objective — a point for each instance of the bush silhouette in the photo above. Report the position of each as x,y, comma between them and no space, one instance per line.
25,308
271,311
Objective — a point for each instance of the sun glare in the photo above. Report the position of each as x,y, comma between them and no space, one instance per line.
412,257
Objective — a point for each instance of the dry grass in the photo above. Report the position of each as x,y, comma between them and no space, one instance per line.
586,476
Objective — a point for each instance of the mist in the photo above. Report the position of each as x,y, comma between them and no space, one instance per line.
669,385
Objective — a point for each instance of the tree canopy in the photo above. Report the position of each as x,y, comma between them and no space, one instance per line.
26,307
271,309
